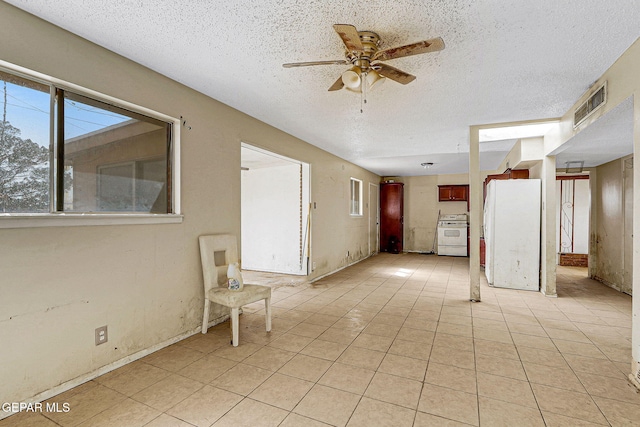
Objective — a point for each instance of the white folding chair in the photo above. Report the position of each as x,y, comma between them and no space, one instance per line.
224,248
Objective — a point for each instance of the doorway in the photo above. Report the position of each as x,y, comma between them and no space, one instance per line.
573,210
275,221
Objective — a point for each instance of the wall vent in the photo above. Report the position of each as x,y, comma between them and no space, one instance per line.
595,101
574,166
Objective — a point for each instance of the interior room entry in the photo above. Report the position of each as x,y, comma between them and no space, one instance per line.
574,201
275,212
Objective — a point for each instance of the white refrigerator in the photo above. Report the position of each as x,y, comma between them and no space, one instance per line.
512,233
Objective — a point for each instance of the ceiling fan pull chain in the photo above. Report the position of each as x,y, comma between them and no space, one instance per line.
363,91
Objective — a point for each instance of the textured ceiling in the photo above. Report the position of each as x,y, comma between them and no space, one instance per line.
587,146
504,61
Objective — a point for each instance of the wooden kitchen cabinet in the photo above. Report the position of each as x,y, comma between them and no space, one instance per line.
391,217
453,193
518,173
508,174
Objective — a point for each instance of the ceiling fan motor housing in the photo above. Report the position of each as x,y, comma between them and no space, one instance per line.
370,42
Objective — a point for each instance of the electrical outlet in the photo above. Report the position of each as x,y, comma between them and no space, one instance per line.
314,266
101,335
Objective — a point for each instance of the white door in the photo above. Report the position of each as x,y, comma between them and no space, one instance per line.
489,205
374,218
515,244
627,285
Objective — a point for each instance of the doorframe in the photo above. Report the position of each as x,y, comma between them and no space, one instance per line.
305,204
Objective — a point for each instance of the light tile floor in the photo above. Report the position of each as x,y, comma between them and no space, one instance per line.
391,341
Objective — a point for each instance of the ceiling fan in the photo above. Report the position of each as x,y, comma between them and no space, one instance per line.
361,51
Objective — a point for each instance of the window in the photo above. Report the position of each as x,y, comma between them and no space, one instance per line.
136,186
356,197
24,145
101,158
114,160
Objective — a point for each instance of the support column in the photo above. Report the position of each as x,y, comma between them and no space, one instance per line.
548,228
635,320
475,213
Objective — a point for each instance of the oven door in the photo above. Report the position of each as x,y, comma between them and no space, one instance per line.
452,236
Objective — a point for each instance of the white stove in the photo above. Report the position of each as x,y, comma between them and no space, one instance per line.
452,234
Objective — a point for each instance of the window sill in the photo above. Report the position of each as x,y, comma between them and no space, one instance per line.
87,219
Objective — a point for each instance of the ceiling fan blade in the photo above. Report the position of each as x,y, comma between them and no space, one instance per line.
306,64
394,74
349,36
424,46
337,85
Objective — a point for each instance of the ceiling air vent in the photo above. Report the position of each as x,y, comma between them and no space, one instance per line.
597,99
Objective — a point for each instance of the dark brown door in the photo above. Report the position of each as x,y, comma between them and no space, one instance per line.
391,217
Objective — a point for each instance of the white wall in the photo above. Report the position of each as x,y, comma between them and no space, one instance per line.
421,207
608,232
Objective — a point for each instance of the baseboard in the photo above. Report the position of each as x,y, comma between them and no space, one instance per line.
339,269
612,285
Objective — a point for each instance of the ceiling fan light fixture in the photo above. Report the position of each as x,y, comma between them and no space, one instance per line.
374,79
351,78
